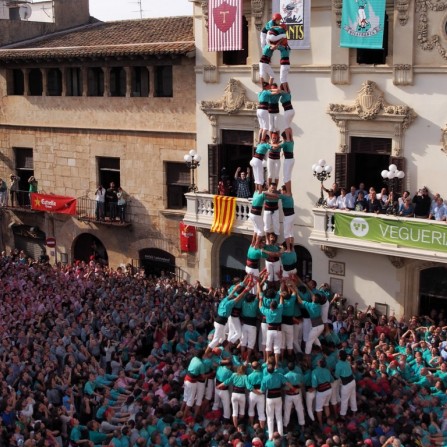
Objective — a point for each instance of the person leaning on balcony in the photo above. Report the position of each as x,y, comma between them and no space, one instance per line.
407,208
100,197
422,203
439,211
3,193
14,188
242,183
121,204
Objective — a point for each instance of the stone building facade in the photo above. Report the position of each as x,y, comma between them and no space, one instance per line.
89,103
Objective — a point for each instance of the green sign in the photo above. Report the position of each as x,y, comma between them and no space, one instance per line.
416,234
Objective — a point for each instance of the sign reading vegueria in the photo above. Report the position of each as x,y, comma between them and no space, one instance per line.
417,234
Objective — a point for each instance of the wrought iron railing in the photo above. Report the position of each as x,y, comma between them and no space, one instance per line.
88,210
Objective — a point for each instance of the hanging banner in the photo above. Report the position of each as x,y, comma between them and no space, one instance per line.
224,25
53,204
188,239
362,24
296,16
415,234
224,214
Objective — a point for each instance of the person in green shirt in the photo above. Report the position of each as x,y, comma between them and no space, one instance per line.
348,395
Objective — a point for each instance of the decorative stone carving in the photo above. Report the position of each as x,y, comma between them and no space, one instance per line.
397,261
233,101
210,74
444,139
426,42
330,252
337,7
339,74
369,105
402,7
205,13
257,10
403,74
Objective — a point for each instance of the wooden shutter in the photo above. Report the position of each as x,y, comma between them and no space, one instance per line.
214,166
344,169
399,183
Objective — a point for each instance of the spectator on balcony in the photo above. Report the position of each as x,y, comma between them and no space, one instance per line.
434,201
422,203
224,187
361,203
341,200
242,183
351,198
439,211
14,188
407,208
32,186
335,189
401,200
374,205
383,195
100,197
3,193
111,201
331,201
362,189
121,204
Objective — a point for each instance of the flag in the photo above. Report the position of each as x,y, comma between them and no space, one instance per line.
296,17
53,204
224,25
224,213
362,24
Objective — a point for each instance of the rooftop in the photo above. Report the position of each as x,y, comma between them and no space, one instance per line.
160,36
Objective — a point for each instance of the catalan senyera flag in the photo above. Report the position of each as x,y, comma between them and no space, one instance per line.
224,25
53,204
224,214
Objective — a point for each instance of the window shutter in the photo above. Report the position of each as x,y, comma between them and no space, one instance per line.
214,166
400,163
343,169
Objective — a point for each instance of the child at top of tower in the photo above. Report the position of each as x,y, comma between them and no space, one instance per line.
273,31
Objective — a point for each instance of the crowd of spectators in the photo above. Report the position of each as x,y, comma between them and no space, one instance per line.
91,355
421,205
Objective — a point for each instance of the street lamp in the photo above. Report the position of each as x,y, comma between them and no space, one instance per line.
391,177
322,172
192,160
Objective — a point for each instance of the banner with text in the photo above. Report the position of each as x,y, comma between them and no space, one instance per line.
296,15
53,204
225,25
416,234
362,24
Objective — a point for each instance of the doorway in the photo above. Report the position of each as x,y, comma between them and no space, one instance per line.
432,291
156,262
87,247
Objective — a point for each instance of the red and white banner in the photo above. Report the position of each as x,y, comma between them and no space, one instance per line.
224,25
53,204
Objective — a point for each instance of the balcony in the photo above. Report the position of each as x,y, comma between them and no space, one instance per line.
20,201
399,237
200,213
86,212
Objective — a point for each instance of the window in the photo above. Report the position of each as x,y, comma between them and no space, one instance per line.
18,82
95,81
74,81
109,171
24,164
238,57
54,82
178,179
35,82
375,57
117,81
140,81
163,81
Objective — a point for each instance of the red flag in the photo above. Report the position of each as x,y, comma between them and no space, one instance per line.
225,25
53,204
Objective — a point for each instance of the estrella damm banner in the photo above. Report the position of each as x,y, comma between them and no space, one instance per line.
406,233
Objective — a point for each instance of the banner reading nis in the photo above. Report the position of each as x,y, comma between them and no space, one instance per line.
53,204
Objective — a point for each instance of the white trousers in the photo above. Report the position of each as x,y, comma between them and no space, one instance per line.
348,397
223,398
297,336
288,224
263,118
274,411
238,404
284,73
335,396
290,402
266,71
256,401
273,168
234,329
271,222
258,170
273,269
219,335
287,336
288,117
200,393
274,119
274,341
310,401
189,393
312,338
322,399
258,224
248,338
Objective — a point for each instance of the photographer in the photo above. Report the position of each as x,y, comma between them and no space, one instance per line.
14,189
422,204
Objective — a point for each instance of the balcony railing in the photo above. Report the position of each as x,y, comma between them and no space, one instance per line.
421,239
86,210
17,200
200,212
